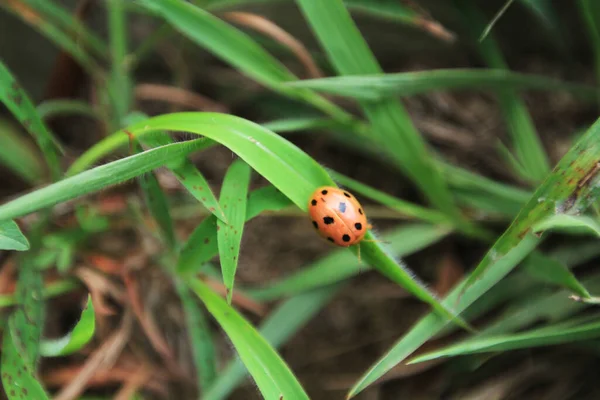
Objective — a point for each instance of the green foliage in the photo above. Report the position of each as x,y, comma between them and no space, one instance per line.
233,199
272,376
75,340
11,237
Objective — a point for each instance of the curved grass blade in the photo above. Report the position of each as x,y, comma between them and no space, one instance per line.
98,178
483,193
404,207
11,237
234,193
288,168
341,265
271,374
18,378
528,147
52,108
546,336
549,270
377,87
18,155
571,187
74,341
63,40
203,349
569,223
201,246
239,50
281,324
19,104
184,170
71,25
392,128
299,124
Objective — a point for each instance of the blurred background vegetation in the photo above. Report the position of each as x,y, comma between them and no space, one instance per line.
467,192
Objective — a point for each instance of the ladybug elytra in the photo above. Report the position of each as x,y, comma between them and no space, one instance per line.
338,216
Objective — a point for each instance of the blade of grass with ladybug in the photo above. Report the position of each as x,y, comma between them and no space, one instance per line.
287,167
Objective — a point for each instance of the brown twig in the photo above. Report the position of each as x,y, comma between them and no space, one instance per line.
269,28
238,298
173,95
103,358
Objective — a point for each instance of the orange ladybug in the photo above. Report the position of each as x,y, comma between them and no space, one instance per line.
337,216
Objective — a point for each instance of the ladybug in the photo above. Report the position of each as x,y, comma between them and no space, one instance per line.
337,216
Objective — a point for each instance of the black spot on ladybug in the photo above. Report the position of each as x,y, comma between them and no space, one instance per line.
346,238
328,220
360,211
323,191
313,202
347,195
330,239
358,226
342,207
315,225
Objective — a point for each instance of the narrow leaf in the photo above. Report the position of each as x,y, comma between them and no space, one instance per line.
97,178
549,270
272,376
19,104
281,324
11,237
75,340
340,265
19,155
203,349
569,223
234,193
405,84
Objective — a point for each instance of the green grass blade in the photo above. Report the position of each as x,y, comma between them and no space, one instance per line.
201,246
392,128
233,199
156,202
552,271
569,189
527,145
52,108
52,290
287,319
431,324
18,155
97,178
28,319
203,349
75,340
380,86
341,265
288,168
11,237
272,376
237,49
404,207
60,38
119,83
590,13
299,124
482,193
184,170
546,336
19,104
569,224
18,378
70,25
